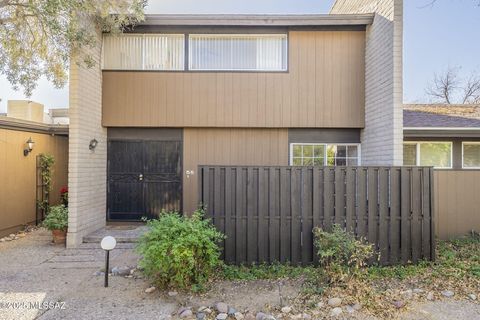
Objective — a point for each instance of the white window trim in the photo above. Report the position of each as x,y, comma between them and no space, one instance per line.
418,143
283,35
469,142
358,145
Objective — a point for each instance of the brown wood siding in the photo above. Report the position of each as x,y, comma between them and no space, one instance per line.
457,202
324,87
229,147
18,175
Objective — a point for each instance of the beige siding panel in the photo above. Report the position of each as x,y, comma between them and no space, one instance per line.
324,87
216,146
457,205
18,175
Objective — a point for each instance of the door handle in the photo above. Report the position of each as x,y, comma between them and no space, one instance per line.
140,177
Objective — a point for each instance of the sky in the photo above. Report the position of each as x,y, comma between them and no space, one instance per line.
435,37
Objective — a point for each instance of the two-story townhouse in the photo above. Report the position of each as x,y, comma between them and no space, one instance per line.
178,91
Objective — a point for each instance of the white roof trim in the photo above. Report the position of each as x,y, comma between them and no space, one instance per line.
441,128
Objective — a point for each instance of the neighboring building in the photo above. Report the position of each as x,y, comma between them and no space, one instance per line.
34,111
443,136
58,116
186,90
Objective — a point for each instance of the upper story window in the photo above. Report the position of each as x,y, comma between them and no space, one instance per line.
320,154
242,52
430,154
471,155
144,52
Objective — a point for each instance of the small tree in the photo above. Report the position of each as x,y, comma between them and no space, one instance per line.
38,36
449,88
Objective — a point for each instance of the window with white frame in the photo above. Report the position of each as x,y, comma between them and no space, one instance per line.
324,154
428,153
144,52
471,155
247,52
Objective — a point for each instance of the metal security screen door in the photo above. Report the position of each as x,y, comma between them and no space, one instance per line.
144,178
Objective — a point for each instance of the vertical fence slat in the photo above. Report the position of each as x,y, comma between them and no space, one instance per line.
372,198
296,203
252,225
362,203
383,176
216,206
340,196
405,216
229,222
395,189
274,214
240,235
328,195
262,215
317,176
416,210
285,214
350,204
426,216
307,216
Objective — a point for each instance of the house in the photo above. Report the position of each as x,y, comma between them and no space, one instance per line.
442,136
179,91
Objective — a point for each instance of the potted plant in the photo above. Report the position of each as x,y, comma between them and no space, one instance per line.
57,222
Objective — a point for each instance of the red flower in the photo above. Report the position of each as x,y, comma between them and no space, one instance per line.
64,190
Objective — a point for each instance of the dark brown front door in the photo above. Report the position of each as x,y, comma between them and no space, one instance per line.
143,178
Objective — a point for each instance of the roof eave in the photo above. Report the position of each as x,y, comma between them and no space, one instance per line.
262,20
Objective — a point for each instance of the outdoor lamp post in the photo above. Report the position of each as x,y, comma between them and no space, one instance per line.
108,243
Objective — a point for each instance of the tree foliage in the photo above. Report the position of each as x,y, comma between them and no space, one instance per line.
38,36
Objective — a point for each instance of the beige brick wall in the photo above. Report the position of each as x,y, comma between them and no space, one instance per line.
382,136
87,169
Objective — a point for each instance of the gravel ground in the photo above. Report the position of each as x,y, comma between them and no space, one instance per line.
33,270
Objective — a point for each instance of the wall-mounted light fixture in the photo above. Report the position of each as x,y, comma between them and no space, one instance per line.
28,146
93,144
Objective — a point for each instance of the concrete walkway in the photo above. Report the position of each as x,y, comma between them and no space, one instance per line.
124,233
33,270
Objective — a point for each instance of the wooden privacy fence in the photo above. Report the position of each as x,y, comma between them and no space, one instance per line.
268,213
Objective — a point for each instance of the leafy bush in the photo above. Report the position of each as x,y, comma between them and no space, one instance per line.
57,218
340,254
180,251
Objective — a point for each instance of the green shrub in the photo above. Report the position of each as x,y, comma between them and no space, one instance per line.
340,254
180,251
57,218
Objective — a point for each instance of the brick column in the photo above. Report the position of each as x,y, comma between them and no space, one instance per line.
86,168
382,137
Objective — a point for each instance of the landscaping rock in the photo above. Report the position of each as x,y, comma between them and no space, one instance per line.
349,309
306,316
99,273
260,316
399,304
418,291
172,293
357,307
238,316
286,310
296,317
185,313
221,307
448,293
336,312
334,302
222,316
407,294
249,316
205,310
472,296
430,296
150,290
201,316
121,271
320,305
231,311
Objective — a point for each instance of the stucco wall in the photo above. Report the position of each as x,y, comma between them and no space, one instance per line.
87,169
382,136
18,175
